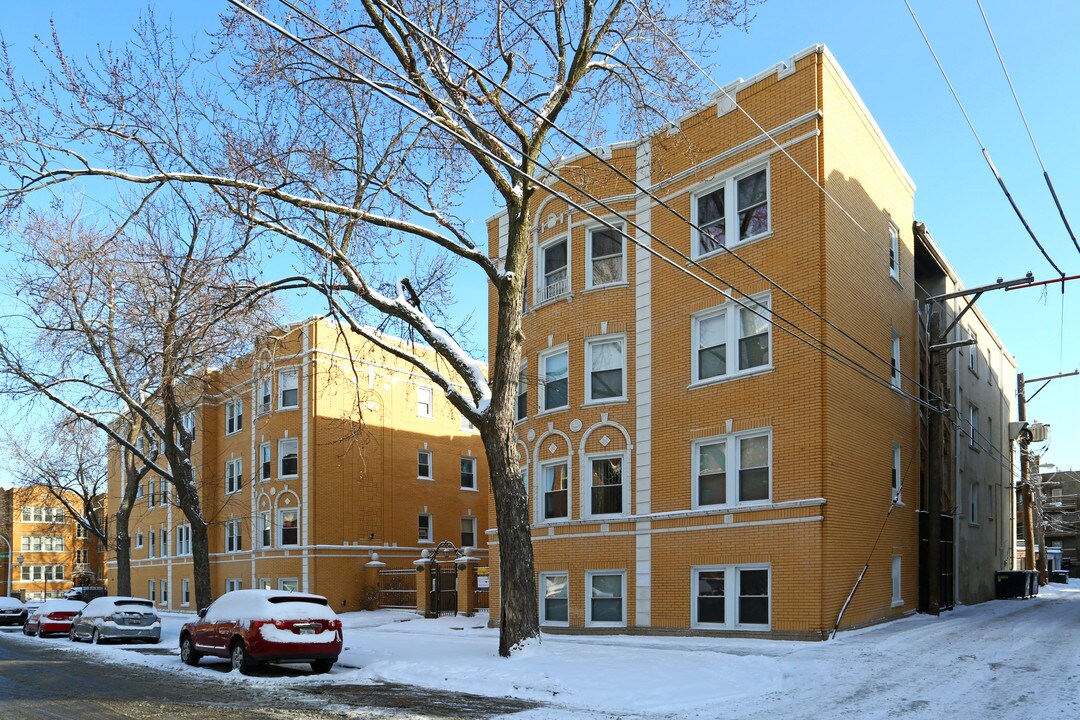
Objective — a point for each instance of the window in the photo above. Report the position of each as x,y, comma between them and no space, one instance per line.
556,489
151,494
139,539
991,500
289,522
555,599
468,473
895,360
233,536
465,424
554,380
152,552
80,531
264,461
288,382
183,540
42,573
82,556
973,421
165,491
234,416
896,482
522,393
606,362
973,354
42,543
266,394
894,252
468,532
741,201
556,282
730,596
897,597
187,421
164,592
423,465
164,545
606,489
233,475
153,591
606,598
744,325
423,533
973,503
606,263
423,402
749,480
264,584
185,592
287,451
238,584
288,585
265,538
43,515
139,491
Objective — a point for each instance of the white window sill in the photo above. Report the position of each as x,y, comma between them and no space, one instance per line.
607,286
469,489
287,477
897,603
559,624
735,506
425,542
731,247
288,407
552,300
896,280
552,411
606,401
426,479
721,379
898,503
607,518
606,624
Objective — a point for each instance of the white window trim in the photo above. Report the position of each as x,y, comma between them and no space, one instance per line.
265,528
733,327
973,503
733,456
540,291
896,568
586,483
589,342
540,586
282,582
589,230
430,464
731,597
896,372
269,460
540,490
430,528
474,473
589,575
894,250
973,425
420,391
234,528
541,374
266,395
281,388
475,529
898,476
729,181
232,415
523,374
139,539
280,527
281,456
235,466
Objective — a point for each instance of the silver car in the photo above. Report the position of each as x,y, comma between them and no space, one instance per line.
117,618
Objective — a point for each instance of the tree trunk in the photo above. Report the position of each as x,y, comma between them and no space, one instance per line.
122,546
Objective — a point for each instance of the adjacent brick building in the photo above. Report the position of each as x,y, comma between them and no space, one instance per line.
692,467
312,454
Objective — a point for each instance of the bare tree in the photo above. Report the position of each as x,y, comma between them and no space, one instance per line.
117,329
350,133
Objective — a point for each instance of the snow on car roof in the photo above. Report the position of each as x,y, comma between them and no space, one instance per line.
61,606
245,605
102,606
10,602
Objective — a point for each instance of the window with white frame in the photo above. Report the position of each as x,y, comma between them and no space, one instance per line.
468,473
233,536
730,597
288,449
896,481
973,424
522,393
973,502
266,394
152,594
423,402
265,531
234,473
139,491
895,360
234,416
288,584
42,573
733,212
81,531
555,279
288,388
468,532
897,596
51,515
139,539
555,599
555,490
82,556
605,263
187,421
423,465
152,552
733,469
232,584
165,491
42,543
743,325
424,529
183,540
164,542
991,500
554,380
151,494
465,424
973,354
185,592
265,466
606,488
894,252
605,362
289,527
164,592
605,598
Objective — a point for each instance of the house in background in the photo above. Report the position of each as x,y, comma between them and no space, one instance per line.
1061,513
312,455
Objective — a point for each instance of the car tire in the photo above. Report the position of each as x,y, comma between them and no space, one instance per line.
322,666
240,659
154,641
72,636
37,631
96,637
187,651
26,630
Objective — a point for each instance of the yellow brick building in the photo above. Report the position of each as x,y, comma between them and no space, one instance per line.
692,467
311,454
50,551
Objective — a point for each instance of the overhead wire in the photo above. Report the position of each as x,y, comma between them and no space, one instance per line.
751,306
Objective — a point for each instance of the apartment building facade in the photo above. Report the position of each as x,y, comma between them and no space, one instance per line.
735,452
314,455
50,550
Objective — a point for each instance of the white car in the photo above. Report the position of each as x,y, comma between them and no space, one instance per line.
116,618
11,611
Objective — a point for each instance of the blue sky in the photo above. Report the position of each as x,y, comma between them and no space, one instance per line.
886,59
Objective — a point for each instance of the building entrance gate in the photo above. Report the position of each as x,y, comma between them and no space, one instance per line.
444,590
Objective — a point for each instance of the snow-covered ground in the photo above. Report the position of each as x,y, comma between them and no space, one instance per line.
1001,659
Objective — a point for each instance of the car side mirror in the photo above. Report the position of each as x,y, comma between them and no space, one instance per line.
202,612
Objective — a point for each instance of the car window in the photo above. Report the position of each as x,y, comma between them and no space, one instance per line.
295,599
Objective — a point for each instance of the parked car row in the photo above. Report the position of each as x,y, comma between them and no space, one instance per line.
247,627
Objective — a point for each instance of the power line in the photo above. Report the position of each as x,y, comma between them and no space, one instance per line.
985,152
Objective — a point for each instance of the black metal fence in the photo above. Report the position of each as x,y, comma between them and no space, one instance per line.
397,589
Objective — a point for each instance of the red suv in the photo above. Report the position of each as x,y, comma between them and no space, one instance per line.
264,626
